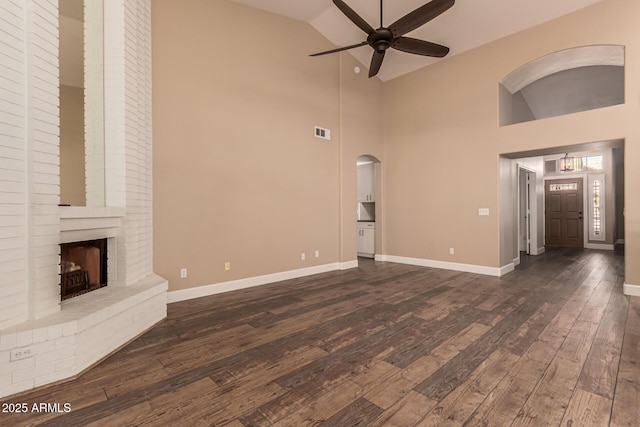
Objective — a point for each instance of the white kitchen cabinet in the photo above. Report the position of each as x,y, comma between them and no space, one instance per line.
366,239
366,183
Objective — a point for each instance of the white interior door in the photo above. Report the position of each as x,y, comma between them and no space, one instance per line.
526,193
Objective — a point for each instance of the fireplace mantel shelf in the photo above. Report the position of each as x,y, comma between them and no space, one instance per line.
73,212
78,223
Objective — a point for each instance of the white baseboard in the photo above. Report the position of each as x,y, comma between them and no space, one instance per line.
516,261
631,290
233,285
538,251
601,246
468,268
378,257
348,264
507,268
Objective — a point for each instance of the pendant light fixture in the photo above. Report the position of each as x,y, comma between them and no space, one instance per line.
566,163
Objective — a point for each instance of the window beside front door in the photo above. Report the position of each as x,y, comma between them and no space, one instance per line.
596,207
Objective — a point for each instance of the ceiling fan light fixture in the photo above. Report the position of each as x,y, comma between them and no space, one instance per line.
566,163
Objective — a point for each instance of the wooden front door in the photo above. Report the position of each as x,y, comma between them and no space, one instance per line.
563,213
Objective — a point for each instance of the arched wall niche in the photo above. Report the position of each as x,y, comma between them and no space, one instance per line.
564,82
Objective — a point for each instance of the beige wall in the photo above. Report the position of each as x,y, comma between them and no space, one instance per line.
238,174
240,178
442,140
72,177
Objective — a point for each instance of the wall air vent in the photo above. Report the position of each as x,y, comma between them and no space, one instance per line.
322,133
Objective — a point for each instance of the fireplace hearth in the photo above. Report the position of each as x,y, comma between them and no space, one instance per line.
83,267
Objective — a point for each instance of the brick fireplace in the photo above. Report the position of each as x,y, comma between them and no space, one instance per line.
43,339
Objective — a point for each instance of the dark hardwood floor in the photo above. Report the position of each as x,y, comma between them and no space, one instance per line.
553,343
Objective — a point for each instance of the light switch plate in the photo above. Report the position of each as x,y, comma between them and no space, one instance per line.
483,211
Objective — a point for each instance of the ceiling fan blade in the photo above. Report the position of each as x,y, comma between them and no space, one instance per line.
354,17
419,17
420,47
339,49
376,62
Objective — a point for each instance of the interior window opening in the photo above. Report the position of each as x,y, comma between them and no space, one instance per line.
565,82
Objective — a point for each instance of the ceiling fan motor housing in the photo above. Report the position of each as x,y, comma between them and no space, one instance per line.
381,39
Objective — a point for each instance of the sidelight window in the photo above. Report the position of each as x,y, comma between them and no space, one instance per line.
596,207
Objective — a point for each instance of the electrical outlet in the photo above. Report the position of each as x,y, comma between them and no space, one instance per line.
317,254
452,251
183,273
303,256
21,353
227,266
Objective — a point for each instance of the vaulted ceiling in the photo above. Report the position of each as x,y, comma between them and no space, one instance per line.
468,24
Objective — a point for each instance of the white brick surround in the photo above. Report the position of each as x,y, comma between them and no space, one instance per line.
67,338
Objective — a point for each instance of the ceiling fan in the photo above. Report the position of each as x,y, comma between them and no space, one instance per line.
392,36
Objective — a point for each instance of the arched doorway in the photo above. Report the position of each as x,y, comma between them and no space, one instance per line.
368,207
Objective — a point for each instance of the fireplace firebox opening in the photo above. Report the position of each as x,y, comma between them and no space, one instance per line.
83,267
